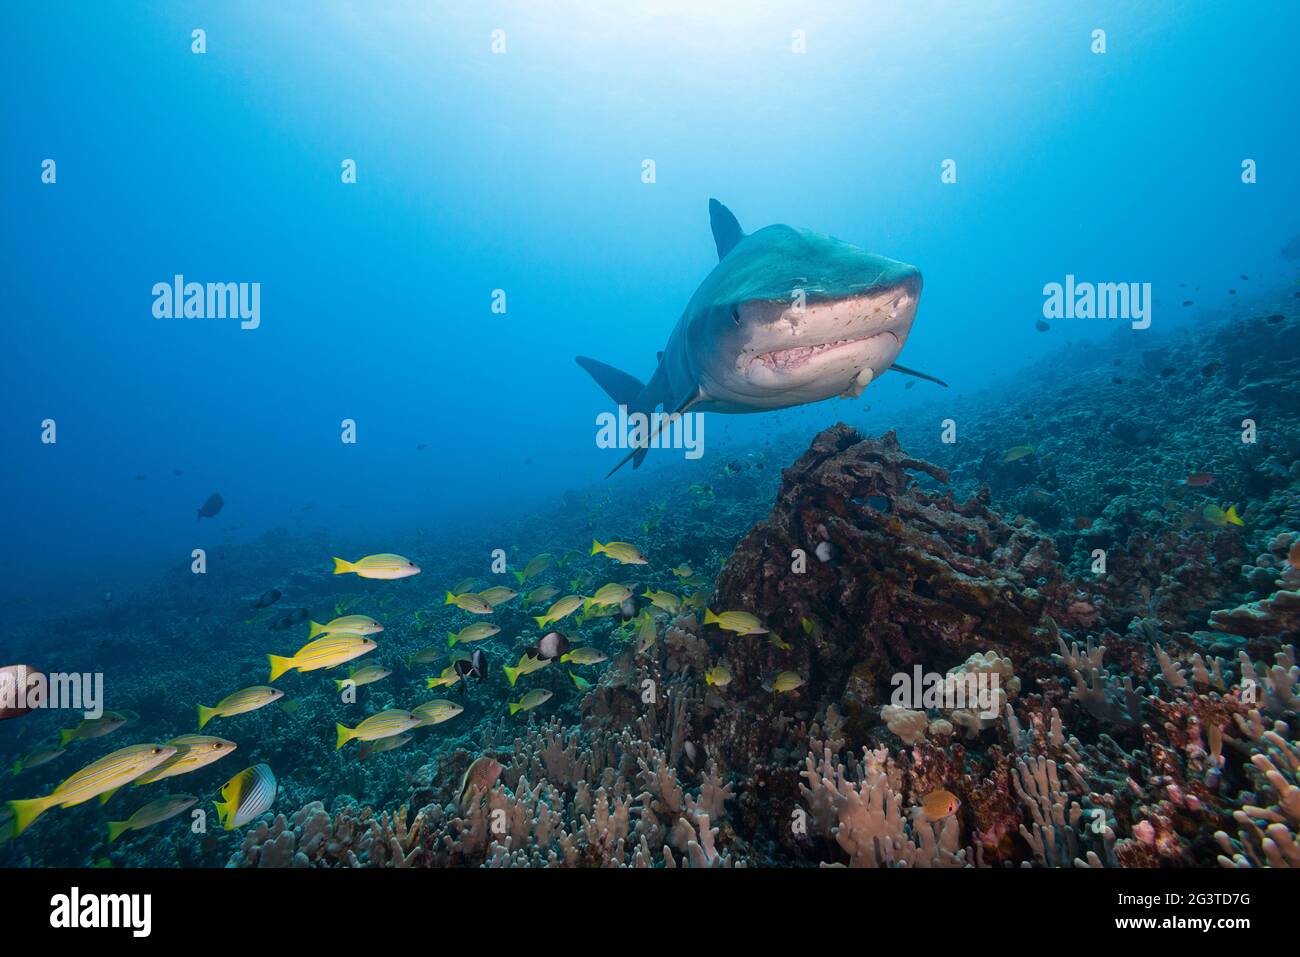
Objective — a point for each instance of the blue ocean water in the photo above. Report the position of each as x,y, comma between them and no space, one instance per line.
522,172
443,204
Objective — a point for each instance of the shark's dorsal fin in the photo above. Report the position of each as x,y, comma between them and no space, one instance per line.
726,229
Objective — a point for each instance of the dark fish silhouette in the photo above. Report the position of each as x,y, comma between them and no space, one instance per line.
475,665
267,598
212,505
550,645
290,618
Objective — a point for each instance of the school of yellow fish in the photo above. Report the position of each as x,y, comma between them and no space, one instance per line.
345,638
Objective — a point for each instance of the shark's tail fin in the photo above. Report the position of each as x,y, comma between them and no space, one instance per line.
626,390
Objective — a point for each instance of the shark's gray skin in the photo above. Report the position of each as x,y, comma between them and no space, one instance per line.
788,316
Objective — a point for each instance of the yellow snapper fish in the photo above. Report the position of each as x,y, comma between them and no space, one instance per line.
475,632
36,757
348,625
90,728
155,812
385,724
98,779
383,567
470,603
241,702
534,698
526,666
1017,452
682,571
600,611
647,631
645,640
436,712
540,594
741,622
535,567
718,676
366,674
193,751
367,748
777,641
247,795
665,600
939,804
581,683
561,609
1217,516
426,655
497,595
325,652
607,595
624,553
448,678
584,656
783,682
464,585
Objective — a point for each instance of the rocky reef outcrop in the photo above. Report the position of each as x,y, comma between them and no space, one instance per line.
869,568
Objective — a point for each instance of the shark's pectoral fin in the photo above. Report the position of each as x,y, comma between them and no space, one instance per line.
637,454
726,228
920,375
618,385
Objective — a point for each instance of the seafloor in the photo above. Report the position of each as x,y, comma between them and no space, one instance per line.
1149,708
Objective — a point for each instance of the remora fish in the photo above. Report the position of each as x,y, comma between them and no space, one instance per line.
787,317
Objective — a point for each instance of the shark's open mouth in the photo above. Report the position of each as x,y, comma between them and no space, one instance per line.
787,360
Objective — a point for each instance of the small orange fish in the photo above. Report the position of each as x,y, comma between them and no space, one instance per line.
1199,480
1082,521
938,805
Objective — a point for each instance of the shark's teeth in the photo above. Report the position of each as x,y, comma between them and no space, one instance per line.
785,359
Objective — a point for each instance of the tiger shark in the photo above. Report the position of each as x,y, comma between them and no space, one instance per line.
788,316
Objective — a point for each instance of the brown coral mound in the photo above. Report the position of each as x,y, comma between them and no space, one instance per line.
905,576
